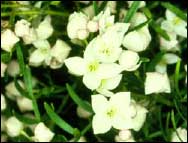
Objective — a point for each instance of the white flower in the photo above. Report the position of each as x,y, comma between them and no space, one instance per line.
168,58
77,21
31,37
3,69
40,54
124,136
137,19
13,126
182,134
109,84
142,4
157,83
11,90
137,40
58,53
91,70
8,40
82,113
111,113
42,133
129,60
105,20
174,24
13,68
171,45
24,104
22,27
92,26
82,34
3,102
106,47
45,29
138,115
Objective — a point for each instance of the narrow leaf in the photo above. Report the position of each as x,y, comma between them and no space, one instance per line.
58,120
78,100
95,7
131,11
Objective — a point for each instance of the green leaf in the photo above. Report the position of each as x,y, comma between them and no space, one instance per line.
24,119
95,7
58,120
175,10
5,57
158,30
176,78
131,11
20,58
55,3
78,100
144,60
102,6
59,138
147,12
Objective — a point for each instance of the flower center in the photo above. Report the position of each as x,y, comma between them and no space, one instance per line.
93,66
111,112
176,20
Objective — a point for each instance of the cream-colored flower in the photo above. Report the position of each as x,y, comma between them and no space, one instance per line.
129,60
106,47
31,37
3,102
182,134
3,69
77,21
8,40
174,24
92,26
13,126
111,113
13,68
24,104
112,5
157,83
42,133
22,27
58,53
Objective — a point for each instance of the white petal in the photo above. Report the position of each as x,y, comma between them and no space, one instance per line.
170,58
167,26
99,103
3,102
121,100
101,124
182,31
91,81
111,83
45,28
152,83
22,28
76,65
108,70
41,44
170,15
104,92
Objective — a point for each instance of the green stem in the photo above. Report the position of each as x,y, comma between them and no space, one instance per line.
26,135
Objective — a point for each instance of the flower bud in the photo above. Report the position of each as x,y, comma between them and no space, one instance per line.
13,68
3,69
129,60
13,126
82,113
82,34
3,102
8,40
24,104
42,133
